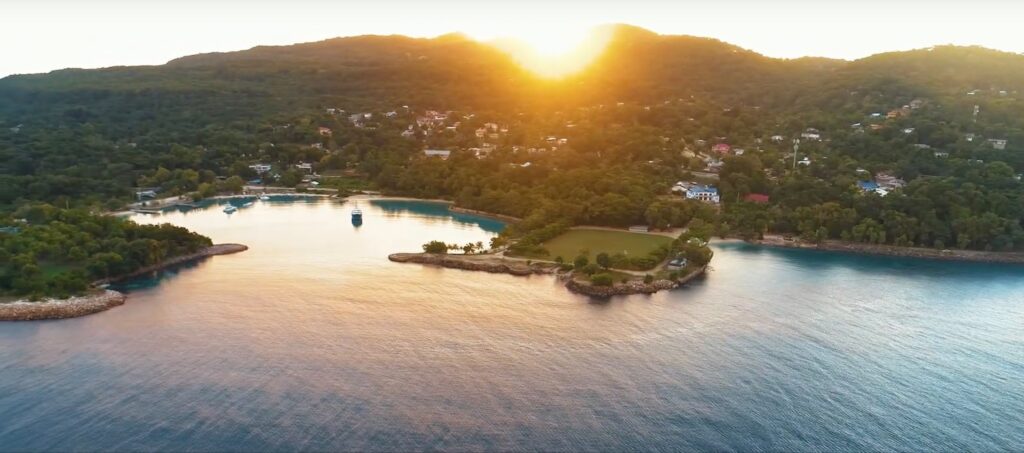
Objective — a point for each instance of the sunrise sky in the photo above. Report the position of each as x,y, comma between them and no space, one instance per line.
42,35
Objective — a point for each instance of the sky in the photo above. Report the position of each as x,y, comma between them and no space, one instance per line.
43,35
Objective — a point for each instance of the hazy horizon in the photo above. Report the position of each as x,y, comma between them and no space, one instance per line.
58,34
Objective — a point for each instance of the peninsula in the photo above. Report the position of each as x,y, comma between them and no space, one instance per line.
97,298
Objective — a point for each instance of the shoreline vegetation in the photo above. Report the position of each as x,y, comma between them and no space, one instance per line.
977,256
99,299
497,264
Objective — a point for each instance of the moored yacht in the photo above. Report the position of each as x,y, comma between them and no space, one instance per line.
230,208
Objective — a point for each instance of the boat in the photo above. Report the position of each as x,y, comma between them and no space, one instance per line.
264,197
230,208
357,215
248,203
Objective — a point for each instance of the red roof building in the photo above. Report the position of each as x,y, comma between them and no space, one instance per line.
756,198
721,148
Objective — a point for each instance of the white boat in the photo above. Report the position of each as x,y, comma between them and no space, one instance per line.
248,203
230,208
264,197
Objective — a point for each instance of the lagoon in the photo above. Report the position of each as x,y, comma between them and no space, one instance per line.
313,340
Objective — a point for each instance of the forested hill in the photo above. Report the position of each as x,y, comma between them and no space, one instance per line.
918,148
455,72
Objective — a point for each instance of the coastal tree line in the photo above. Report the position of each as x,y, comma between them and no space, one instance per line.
46,251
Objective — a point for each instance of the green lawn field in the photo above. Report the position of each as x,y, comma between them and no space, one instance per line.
569,244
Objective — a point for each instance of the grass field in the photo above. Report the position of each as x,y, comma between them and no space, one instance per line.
569,244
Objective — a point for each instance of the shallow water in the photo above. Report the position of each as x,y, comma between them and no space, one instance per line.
313,340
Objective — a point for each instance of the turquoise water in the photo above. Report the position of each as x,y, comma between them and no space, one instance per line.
312,340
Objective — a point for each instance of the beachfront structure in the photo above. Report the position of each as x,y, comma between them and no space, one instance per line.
676,264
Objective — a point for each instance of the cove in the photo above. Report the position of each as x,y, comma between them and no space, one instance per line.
313,340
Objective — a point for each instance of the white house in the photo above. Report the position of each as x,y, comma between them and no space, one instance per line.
997,143
706,194
260,168
442,153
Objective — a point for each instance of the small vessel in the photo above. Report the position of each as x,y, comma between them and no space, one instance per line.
230,208
264,197
357,215
248,203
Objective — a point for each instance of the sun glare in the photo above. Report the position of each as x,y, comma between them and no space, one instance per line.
555,52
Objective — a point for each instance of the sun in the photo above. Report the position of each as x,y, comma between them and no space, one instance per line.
554,42
554,52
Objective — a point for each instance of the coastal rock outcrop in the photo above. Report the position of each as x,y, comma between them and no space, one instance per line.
619,289
71,307
483,263
493,264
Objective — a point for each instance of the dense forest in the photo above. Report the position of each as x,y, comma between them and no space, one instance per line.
58,252
941,128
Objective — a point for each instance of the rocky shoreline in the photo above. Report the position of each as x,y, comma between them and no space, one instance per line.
71,307
502,217
100,300
213,250
495,264
631,287
481,263
978,256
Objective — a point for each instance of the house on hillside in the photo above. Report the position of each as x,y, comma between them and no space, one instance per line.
721,148
260,168
867,186
890,182
759,198
707,194
997,143
442,153
324,131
